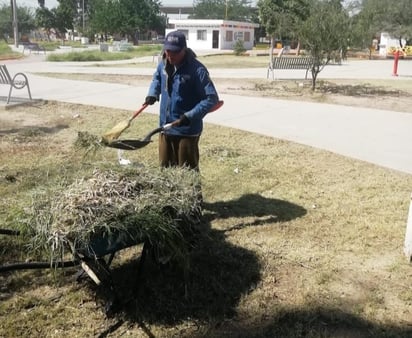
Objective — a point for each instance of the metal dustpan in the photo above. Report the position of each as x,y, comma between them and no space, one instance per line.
128,144
134,144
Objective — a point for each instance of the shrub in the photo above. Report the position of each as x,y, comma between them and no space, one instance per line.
239,49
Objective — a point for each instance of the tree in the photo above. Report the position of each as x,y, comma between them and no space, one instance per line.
68,15
364,29
324,33
138,16
25,16
106,17
281,18
393,17
126,17
45,18
236,10
6,28
65,14
60,18
26,20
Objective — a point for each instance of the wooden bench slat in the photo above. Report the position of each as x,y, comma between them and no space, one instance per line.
18,81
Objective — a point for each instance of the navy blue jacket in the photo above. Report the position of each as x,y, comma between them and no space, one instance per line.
186,90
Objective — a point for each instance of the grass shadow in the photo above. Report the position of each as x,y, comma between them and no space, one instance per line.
219,274
313,322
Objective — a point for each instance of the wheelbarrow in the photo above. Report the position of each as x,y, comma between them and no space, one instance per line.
94,259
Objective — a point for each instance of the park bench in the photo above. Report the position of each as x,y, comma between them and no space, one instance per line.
122,46
290,62
33,47
18,81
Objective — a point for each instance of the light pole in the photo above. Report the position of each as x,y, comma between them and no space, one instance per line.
83,14
15,25
226,11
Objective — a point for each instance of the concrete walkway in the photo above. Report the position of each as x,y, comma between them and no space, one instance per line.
378,136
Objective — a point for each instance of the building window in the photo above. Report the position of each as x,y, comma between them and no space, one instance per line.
247,36
185,32
238,36
201,34
229,35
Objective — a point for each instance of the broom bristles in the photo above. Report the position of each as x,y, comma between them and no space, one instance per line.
116,131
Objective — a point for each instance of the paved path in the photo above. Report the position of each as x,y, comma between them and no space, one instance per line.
378,136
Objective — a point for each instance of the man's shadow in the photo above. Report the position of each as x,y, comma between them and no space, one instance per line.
220,273
257,209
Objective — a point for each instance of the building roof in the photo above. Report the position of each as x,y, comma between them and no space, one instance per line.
207,22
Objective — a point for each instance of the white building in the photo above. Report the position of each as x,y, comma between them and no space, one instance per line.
387,42
215,34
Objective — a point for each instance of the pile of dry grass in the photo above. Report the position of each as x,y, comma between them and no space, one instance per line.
135,204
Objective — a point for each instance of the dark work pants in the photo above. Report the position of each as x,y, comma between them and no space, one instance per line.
179,151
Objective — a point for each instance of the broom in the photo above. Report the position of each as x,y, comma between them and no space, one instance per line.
119,128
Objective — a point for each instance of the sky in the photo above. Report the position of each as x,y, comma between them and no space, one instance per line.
53,3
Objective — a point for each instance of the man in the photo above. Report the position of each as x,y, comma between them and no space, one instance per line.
186,95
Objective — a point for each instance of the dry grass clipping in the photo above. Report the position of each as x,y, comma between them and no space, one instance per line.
88,142
131,204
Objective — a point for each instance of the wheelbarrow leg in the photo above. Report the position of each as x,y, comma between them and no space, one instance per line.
140,268
82,271
99,272
109,261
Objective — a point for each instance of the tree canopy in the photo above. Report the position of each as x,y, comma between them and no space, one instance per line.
236,10
66,16
393,17
25,16
281,18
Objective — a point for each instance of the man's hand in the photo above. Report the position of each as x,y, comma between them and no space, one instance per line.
150,100
183,121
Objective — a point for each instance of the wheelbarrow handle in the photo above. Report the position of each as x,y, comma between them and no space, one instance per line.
37,265
9,232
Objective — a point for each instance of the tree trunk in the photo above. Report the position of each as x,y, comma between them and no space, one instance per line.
314,76
272,46
315,71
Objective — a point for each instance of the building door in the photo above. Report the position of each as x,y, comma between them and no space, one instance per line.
215,40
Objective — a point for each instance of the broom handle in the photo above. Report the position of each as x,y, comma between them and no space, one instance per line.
143,107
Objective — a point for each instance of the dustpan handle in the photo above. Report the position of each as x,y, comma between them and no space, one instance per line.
214,108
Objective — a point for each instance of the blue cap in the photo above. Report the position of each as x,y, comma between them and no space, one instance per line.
175,41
